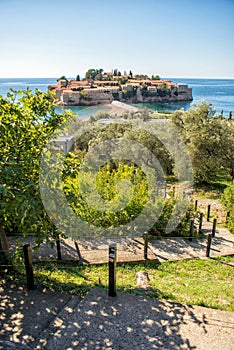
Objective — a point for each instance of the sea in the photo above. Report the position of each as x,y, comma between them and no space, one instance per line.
217,92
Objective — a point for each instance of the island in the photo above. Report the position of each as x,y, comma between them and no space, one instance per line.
99,87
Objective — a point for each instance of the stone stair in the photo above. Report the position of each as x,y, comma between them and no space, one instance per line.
29,317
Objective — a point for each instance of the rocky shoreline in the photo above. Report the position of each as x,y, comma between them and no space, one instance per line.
123,89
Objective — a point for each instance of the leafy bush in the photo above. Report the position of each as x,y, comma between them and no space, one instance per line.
228,202
27,122
78,186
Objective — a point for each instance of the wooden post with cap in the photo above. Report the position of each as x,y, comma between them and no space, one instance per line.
200,223
145,237
208,213
112,270
191,229
28,266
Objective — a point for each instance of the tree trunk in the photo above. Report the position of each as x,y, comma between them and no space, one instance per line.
4,247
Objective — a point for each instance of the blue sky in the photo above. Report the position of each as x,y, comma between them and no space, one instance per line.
172,38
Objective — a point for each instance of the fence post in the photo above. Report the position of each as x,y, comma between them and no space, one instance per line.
59,255
228,216
173,191
209,239
78,251
145,237
195,207
200,223
214,227
208,213
191,230
132,225
28,266
112,272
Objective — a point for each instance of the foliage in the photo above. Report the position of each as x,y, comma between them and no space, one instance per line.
210,141
27,122
114,171
106,183
128,131
155,77
62,78
159,228
228,202
129,94
163,90
116,73
115,95
141,77
122,81
146,93
94,74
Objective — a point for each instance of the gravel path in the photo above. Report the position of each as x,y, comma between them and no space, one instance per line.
133,322
132,250
43,320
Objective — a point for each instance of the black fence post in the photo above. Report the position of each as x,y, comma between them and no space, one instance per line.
195,206
59,255
28,266
132,225
191,230
173,191
112,270
208,213
200,223
145,236
214,227
209,239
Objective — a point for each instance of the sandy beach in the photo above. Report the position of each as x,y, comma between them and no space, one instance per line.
118,108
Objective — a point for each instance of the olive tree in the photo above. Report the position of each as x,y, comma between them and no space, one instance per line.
209,139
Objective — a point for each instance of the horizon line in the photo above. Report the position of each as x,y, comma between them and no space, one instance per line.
174,77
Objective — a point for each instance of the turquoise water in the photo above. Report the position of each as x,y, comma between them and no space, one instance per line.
218,92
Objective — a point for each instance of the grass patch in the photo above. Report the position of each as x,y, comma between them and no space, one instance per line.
207,283
215,188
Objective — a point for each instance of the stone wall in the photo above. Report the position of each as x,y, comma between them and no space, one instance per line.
94,96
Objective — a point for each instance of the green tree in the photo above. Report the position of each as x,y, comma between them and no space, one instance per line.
163,90
210,140
155,77
91,73
94,74
27,122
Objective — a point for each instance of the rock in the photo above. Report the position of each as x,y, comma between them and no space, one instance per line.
142,279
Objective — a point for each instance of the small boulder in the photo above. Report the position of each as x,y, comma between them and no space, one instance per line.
142,279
